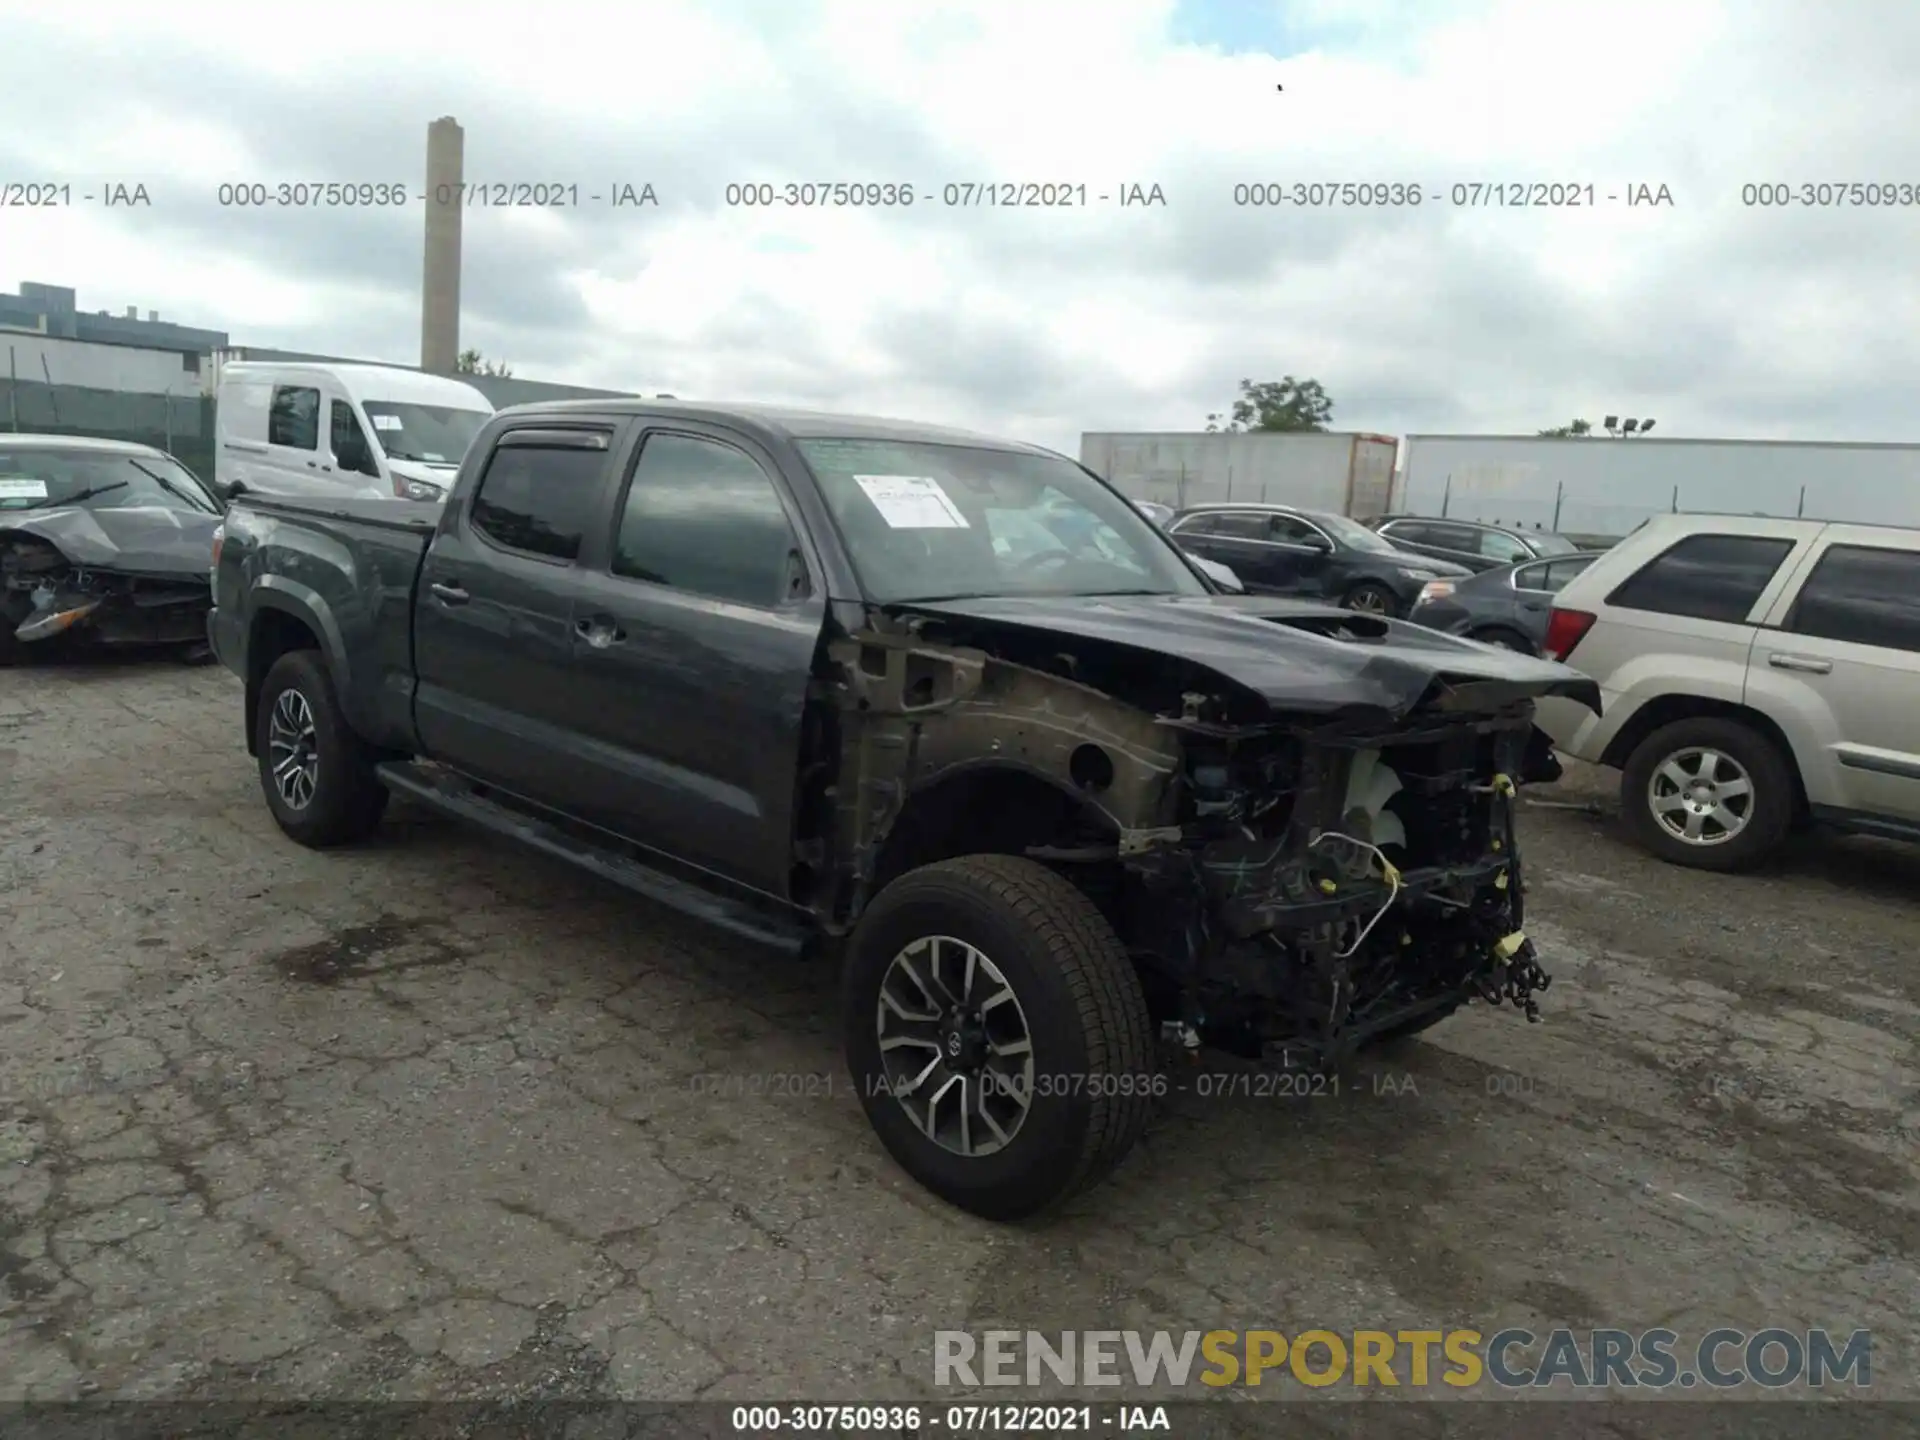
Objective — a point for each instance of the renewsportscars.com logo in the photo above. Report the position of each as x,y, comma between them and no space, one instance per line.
1509,1359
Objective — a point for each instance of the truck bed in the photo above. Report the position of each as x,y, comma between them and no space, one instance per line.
418,516
343,570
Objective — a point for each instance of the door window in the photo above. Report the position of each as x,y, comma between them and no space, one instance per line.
539,499
293,419
704,517
1863,595
1413,532
1292,530
1227,525
1504,548
1705,577
1550,577
349,441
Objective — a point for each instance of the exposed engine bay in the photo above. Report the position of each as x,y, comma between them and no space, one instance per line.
1301,822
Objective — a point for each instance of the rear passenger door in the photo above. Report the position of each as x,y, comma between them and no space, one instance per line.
693,647
1690,613
1238,539
1841,657
494,611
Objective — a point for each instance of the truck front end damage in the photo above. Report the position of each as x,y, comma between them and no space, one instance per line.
1300,822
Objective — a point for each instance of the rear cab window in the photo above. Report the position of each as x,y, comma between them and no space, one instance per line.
541,490
1861,595
1705,577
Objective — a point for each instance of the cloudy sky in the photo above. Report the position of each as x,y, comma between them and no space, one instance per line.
1717,317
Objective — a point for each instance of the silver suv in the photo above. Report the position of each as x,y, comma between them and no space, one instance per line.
1757,674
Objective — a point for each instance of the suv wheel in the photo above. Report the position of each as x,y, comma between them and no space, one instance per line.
1708,793
317,775
997,1034
1370,598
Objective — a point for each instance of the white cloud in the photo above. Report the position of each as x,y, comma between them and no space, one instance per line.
1721,317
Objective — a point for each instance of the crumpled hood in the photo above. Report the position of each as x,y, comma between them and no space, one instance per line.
1247,639
142,540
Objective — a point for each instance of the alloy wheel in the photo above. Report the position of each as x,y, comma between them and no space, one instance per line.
955,1047
1701,796
1367,601
293,749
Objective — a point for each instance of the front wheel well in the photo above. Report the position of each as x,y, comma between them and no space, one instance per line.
272,634
1666,709
986,812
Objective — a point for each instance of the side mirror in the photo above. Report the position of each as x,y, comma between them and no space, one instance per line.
1318,542
231,491
356,457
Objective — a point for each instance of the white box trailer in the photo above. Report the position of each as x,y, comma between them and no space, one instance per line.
1604,487
1342,471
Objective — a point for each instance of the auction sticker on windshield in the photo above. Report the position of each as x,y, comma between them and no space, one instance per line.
912,502
386,422
22,489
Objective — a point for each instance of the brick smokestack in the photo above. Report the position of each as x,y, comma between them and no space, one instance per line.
440,274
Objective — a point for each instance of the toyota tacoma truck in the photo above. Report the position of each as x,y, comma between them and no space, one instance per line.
944,709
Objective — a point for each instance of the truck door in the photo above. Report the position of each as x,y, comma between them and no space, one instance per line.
693,642
1840,659
493,613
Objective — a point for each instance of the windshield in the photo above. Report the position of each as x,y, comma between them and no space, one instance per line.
430,434
1356,536
43,479
933,522
1544,544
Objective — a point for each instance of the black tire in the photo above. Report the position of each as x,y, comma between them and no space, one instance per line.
1372,592
1085,1013
347,798
1773,799
1504,636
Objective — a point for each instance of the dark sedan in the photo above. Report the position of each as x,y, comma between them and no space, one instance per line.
1279,550
1472,543
101,542
1506,607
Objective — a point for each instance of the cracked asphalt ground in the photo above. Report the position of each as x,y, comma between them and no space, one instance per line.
438,1118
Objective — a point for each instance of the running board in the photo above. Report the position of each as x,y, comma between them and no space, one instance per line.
450,795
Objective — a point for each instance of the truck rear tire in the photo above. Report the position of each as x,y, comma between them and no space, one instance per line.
997,1034
1721,779
317,776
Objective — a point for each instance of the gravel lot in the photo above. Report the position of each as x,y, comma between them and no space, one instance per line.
439,1118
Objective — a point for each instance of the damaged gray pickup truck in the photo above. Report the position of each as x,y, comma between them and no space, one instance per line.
946,708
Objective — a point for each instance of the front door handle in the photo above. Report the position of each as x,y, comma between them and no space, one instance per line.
451,594
1799,662
600,633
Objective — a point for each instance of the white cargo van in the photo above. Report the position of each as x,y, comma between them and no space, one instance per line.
310,429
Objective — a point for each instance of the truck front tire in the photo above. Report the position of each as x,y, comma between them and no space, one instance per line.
317,776
997,1034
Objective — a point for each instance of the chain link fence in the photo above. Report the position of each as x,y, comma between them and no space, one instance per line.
181,425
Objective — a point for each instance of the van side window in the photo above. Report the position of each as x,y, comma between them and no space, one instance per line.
1863,595
539,500
703,517
347,440
1705,577
293,419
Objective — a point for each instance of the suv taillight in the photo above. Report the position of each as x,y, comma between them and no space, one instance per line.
1565,628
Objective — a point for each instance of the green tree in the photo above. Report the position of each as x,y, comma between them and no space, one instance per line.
1285,404
471,362
1575,427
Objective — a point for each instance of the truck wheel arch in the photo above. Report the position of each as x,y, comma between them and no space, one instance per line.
982,807
282,621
